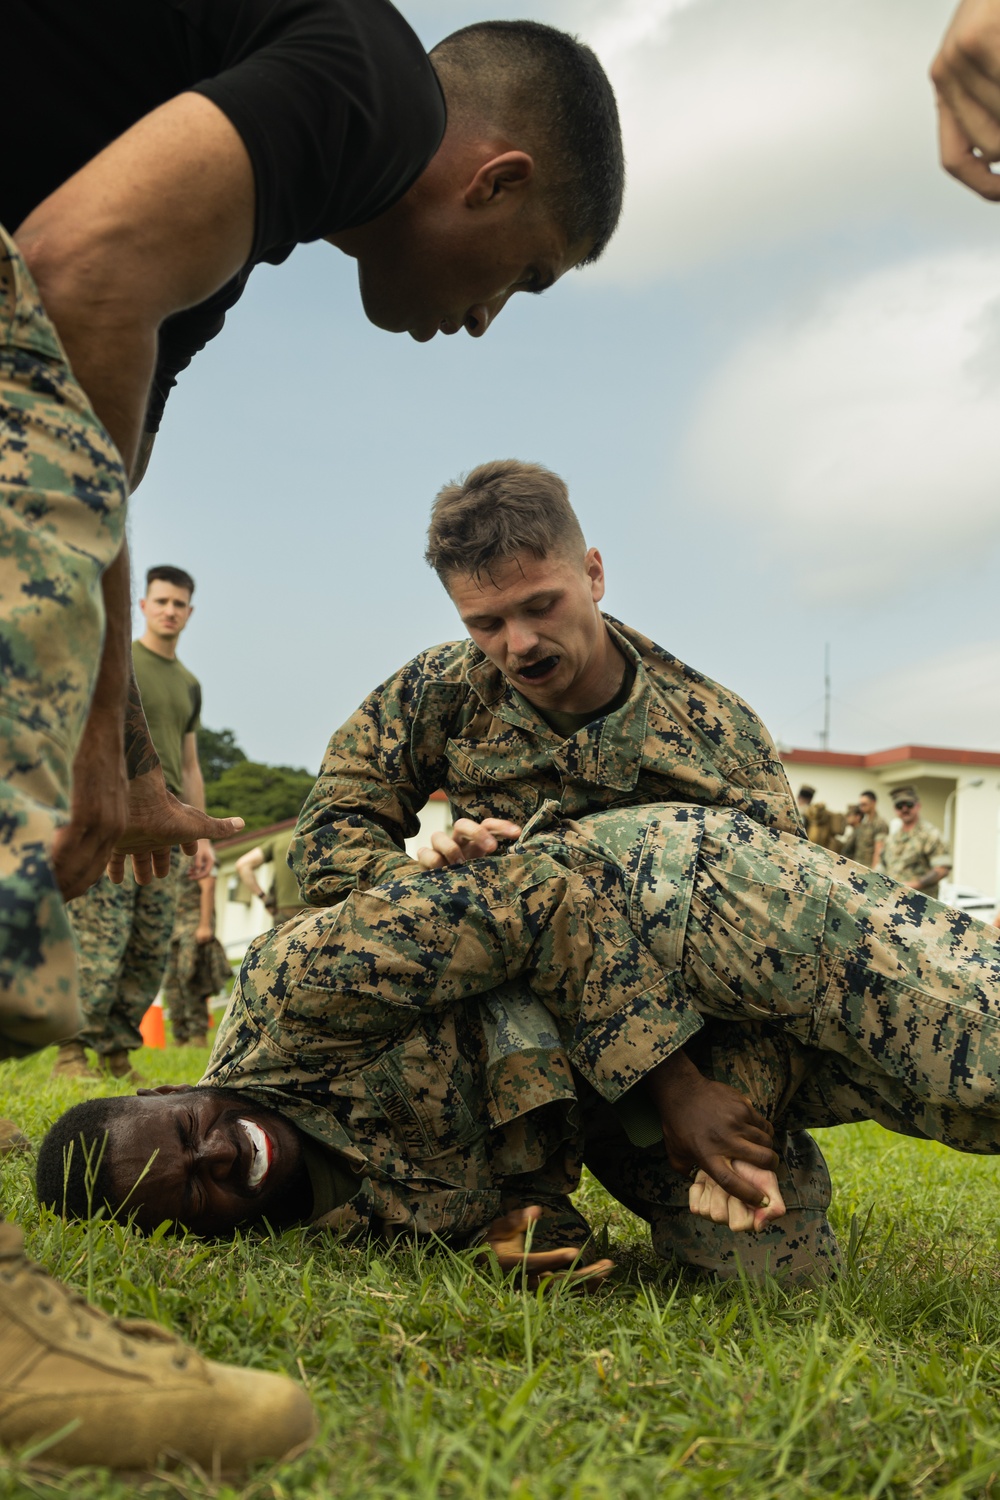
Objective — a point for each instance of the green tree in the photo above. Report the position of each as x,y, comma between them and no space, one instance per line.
259,794
218,752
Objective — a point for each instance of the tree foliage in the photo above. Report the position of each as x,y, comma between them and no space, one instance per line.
218,752
257,793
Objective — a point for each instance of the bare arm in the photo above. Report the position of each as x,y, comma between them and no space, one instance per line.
156,222
205,930
245,867
193,788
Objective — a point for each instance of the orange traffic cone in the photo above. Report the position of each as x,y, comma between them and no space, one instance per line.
151,1027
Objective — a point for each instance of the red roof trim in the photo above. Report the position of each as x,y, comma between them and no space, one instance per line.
936,754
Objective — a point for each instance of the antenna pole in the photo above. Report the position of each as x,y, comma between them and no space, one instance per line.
824,737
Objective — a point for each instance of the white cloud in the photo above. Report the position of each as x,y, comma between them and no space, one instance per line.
874,414
748,125
947,698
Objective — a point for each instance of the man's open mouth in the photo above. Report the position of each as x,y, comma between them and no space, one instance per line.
536,670
261,1152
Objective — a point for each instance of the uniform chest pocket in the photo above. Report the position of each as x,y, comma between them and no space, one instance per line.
429,1111
488,779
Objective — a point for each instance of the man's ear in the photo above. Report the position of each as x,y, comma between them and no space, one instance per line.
501,175
593,566
167,1088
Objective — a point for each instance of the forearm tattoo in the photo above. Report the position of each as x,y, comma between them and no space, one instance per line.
140,757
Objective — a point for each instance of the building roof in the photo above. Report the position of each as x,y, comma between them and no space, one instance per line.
876,758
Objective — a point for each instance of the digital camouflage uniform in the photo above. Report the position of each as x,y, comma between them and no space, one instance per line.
123,934
911,853
437,1031
869,832
195,971
449,720
63,495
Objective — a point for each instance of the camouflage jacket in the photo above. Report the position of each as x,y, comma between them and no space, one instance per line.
859,842
450,720
427,1031
911,853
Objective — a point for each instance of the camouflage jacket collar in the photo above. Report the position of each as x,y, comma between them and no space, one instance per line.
608,751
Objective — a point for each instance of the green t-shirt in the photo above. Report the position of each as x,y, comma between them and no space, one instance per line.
569,724
171,697
285,888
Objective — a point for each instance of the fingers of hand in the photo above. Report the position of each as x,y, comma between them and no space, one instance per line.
116,868
721,1169
429,859
142,868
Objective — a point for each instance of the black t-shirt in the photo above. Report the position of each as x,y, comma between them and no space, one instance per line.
336,102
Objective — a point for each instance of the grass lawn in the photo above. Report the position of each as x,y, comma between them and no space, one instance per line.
435,1379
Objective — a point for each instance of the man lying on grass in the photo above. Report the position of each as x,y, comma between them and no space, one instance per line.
446,1047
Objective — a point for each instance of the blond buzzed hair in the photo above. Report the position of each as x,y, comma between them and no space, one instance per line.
496,511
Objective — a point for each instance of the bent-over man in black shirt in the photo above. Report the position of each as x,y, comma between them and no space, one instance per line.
211,135
163,148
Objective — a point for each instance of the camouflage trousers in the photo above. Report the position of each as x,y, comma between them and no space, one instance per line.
62,519
888,1000
195,971
123,935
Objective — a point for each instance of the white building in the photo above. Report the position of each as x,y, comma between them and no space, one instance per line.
959,791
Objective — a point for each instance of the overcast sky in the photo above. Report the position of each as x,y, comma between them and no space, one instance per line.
775,402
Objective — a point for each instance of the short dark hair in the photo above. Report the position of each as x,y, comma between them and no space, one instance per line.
868,794
526,73
179,577
807,792
494,512
73,1174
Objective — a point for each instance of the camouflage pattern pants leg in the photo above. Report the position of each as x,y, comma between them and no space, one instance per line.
62,519
900,994
187,1010
123,932
767,1068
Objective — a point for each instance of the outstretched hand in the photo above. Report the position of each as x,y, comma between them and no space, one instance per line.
157,820
710,1126
966,76
466,840
709,1201
507,1238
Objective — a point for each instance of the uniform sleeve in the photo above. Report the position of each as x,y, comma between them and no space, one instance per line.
365,803
938,852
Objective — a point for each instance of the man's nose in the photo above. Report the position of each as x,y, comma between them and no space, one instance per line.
521,639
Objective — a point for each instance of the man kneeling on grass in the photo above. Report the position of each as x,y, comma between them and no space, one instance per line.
651,990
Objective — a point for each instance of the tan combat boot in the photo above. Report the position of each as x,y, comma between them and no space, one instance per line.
198,1039
12,1138
71,1062
137,1395
118,1065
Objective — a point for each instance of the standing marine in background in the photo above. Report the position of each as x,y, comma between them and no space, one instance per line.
915,853
123,931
